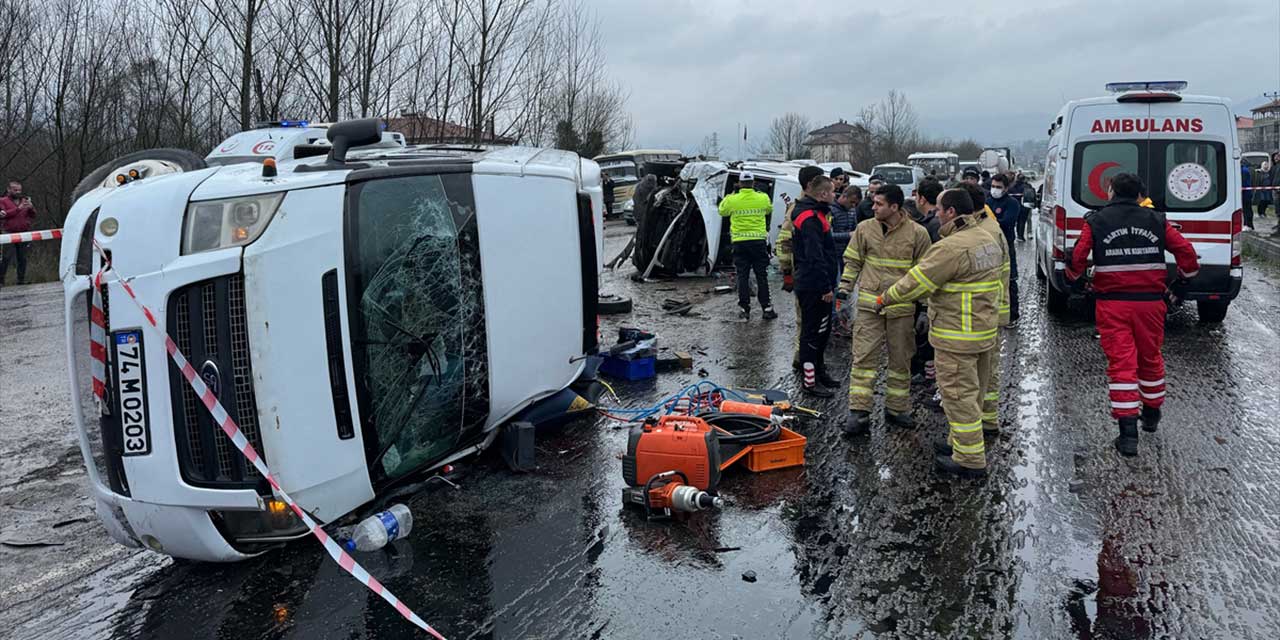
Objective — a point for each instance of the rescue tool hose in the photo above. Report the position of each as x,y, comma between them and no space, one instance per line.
742,428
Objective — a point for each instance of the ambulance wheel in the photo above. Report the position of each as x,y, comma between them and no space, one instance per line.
154,161
1056,301
1212,311
609,304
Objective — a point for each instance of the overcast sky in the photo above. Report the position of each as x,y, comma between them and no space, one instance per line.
989,69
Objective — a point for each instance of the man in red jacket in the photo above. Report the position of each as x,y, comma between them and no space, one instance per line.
16,214
1128,242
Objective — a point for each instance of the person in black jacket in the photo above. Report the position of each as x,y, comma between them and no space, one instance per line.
815,260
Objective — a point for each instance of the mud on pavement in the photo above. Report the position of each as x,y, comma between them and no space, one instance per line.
1064,540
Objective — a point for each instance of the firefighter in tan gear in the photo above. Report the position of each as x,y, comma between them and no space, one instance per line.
961,276
879,253
991,397
785,256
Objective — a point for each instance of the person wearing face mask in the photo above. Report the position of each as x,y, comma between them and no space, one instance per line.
880,252
1007,209
961,276
814,257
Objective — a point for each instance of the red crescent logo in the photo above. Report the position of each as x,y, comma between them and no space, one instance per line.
1096,187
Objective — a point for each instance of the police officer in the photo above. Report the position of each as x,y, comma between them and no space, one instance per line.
880,252
749,212
1128,243
785,261
961,274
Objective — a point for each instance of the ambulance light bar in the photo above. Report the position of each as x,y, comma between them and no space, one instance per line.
1160,85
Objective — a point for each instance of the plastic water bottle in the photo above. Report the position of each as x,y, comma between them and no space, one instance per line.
377,530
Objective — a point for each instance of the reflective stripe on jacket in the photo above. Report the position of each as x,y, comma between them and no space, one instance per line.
876,258
961,274
748,211
783,251
989,224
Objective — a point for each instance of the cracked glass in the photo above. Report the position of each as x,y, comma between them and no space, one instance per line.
417,319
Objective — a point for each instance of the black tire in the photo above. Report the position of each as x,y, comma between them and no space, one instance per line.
1212,311
187,160
611,304
1057,302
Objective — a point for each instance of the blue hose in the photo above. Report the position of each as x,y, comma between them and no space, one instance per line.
667,405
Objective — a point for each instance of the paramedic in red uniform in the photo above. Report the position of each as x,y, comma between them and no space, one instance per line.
1128,242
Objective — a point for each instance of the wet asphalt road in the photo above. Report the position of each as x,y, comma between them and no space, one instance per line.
1064,540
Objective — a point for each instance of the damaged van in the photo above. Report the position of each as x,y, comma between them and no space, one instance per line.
679,228
364,316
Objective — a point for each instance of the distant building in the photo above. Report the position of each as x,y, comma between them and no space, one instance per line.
836,142
1265,132
1246,133
422,129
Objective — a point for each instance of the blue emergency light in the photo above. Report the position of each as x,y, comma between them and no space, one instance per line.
295,123
1158,85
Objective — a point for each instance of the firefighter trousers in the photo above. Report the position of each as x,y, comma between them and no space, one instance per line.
991,395
1132,334
962,379
872,333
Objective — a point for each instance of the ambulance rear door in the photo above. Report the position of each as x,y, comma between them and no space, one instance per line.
1102,141
1193,177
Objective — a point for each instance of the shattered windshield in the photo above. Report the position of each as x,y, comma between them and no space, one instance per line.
417,318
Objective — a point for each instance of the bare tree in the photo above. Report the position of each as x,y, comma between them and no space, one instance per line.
239,20
787,135
897,125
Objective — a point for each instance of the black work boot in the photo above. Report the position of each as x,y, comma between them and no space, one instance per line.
1127,441
1150,419
744,313
770,314
944,464
942,448
826,380
903,419
818,391
858,423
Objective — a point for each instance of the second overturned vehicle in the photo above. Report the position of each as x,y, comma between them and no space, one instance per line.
679,229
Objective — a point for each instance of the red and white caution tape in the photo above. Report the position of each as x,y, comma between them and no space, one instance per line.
98,336
30,236
229,427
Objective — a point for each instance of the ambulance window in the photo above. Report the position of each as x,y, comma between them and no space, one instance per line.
1096,163
1188,175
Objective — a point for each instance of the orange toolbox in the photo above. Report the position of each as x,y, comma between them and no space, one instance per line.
786,451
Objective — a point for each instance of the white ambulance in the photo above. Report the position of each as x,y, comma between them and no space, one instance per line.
1184,148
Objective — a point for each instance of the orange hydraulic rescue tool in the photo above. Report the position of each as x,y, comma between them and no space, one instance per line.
671,463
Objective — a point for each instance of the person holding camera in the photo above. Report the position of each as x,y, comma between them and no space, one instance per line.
16,214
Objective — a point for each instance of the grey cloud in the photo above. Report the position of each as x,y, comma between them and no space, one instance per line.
993,69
